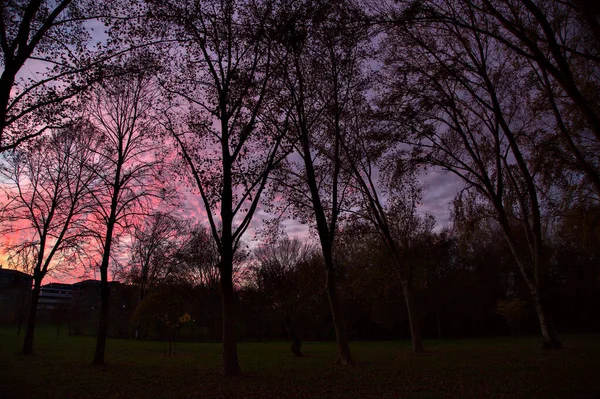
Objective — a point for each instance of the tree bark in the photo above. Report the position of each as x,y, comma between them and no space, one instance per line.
550,338
413,319
104,288
231,365
103,326
344,354
35,297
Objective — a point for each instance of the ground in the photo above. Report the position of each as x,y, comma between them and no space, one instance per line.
484,368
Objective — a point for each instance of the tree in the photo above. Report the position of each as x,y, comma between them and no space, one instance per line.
154,249
474,123
51,39
390,196
408,237
277,275
223,73
513,311
200,257
557,43
167,306
122,112
325,56
47,189
154,252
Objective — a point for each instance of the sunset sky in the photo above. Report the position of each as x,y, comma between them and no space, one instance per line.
439,189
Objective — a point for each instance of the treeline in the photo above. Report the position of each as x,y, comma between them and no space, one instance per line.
466,285
324,112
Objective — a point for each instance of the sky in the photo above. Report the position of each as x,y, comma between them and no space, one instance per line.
438,190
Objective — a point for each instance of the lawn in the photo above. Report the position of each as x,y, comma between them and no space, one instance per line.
487,368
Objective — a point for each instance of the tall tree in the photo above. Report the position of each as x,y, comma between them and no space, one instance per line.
557,43
122,111
223,71
47,187
390,195
479,126
323,74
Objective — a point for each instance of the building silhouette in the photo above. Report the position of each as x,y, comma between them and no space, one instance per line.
15,295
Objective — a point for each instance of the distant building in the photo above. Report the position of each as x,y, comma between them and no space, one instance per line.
15,293
55,295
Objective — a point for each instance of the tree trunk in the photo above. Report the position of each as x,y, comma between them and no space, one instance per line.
231,366
35,297
292,335
413,319
103,326
549,334
344,355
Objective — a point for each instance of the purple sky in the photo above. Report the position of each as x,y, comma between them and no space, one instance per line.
440,189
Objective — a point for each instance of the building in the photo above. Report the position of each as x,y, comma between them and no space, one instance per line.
85,307
55,296
15,294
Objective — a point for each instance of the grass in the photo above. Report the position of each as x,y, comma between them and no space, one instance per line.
487,368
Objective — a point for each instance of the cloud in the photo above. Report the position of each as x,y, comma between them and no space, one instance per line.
440,187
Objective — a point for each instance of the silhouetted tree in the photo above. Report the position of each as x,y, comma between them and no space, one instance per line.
122,111
390,195
47,60
223,73
463,85
276,275
167,305
557,45
47,189
155,244
322,75
200,258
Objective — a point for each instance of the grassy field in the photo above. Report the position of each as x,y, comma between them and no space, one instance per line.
488,368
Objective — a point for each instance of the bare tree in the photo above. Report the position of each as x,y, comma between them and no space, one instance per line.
154,258
200,258
476,125
47,187
155,244
386,180
323,75
223,72
557,42
122,111
276,274
400,229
